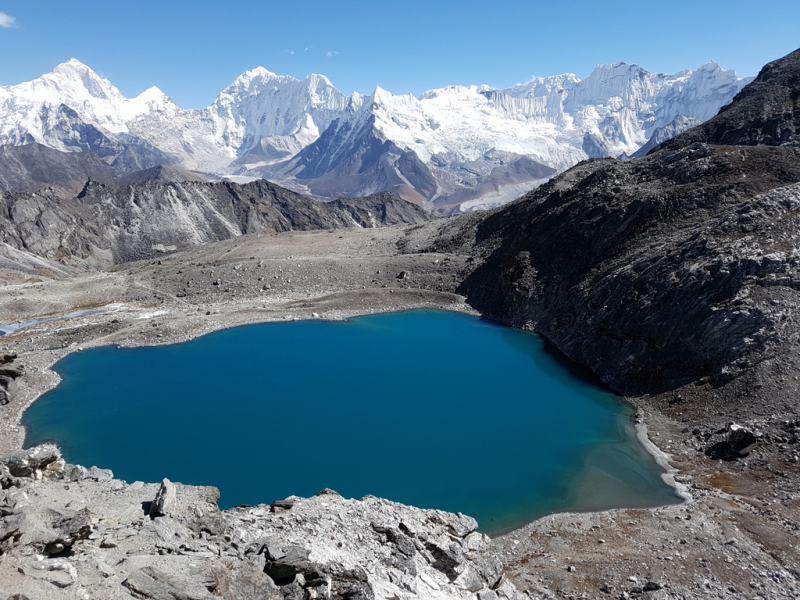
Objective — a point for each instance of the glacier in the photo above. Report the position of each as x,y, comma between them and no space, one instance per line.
452,149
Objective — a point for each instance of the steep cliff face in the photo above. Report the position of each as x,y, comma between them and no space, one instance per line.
658,271
114,224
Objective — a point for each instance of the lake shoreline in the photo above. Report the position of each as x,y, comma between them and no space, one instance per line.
278,371
49,378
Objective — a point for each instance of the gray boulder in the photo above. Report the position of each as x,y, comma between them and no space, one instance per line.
164,500
741,440
150,582
101,474
25,463
75,472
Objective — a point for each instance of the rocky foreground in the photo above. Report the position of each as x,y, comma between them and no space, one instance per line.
71,532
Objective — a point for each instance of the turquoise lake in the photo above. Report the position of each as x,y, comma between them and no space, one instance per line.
430,408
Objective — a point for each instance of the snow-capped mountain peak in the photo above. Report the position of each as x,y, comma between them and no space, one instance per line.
542,86
465,136
70,81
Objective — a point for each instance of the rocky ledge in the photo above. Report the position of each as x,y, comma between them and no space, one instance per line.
71,532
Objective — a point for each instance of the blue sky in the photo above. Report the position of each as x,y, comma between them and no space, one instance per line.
192,50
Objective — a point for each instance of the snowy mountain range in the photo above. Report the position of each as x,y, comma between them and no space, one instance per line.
455,148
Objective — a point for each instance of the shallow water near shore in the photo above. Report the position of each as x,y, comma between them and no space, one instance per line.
430,408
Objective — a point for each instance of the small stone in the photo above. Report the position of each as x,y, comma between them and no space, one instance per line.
652,586
427,579
571,569
100,474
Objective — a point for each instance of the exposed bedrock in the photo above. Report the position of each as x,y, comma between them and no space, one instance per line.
58,535
9,372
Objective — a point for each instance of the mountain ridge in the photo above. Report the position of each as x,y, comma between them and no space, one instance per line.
460,133
110,224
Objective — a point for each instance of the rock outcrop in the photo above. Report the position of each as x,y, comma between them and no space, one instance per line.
9,372
103,537
677,267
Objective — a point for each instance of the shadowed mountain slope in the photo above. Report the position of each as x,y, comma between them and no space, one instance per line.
162,173
34,166
113,224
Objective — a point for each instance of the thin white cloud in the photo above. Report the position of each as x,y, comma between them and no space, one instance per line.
330,53
7,20
289,52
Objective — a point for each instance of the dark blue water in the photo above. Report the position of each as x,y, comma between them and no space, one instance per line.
430,408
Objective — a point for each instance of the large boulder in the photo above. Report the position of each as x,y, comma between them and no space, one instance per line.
741,440
164,500
33,461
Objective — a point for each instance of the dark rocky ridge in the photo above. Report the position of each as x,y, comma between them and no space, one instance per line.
659,271
34,166
105,225
163,173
